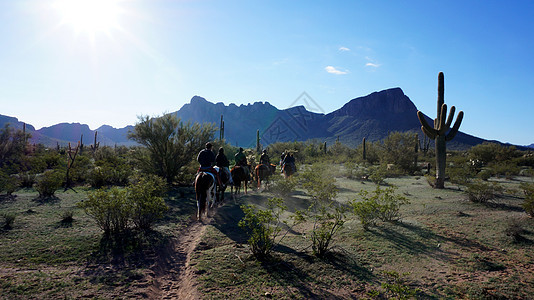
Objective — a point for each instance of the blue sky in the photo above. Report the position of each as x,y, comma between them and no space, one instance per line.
146,57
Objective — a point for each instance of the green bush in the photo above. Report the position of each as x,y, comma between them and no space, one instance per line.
485,174
395,286
8,184
377,174
528,203
145,195
262,226
67,216
482,192
48,183
382,204
140,204
8,220
110,209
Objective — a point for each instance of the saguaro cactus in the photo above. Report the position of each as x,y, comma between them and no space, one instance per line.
258,145
442,132
221,129
364,152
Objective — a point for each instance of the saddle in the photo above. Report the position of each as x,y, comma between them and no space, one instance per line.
213,172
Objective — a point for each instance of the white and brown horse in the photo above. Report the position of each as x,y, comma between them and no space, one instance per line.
205,193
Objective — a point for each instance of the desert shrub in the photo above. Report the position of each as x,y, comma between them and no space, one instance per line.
8,184
108,174
67,216
48,183
327,215
81,168
109,208
482,192
262,226
9,219
396,286
514,230
26,179
282,187
460,170
484,174
528,203
382,204
366,211
377,174
147,204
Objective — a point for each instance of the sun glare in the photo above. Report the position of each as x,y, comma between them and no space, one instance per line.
89,16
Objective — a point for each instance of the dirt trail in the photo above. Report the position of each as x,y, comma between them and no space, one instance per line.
174,277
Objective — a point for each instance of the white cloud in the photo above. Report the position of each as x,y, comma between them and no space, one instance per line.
369,64
344,49
333,70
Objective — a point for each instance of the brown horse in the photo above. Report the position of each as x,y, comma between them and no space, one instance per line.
288,170
263,172
205,192
239,175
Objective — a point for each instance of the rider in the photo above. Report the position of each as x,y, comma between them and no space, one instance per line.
290,161
222,162
241,160
264,158
206,158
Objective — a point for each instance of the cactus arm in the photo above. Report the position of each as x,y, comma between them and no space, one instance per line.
456,126
425,125
430,133
442,129
451,116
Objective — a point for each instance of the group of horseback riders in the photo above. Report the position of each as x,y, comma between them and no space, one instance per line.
218,164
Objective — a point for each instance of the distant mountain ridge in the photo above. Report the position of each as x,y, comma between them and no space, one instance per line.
373,116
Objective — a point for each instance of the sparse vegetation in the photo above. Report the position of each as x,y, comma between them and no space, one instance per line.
48,183
308,244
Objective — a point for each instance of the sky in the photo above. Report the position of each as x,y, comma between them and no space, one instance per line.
101,62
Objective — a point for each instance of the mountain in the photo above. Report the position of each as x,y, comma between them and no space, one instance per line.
373,116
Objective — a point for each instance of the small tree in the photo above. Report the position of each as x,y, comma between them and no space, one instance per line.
171,143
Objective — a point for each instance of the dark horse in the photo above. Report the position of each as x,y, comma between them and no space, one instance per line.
288,170
263,172
225,179
239,175
205,192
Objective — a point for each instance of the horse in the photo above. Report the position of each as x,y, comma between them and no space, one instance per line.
263,172
205,192
225,179
239,175
288,170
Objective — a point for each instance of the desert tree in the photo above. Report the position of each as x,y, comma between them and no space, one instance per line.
171,143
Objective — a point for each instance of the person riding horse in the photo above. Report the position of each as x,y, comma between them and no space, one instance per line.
241,160
264,159
289,160
206,158
222,162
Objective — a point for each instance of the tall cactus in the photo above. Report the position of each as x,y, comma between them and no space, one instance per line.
442,132
364,151
221,129
258,145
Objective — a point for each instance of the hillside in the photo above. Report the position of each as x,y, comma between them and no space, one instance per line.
373,116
